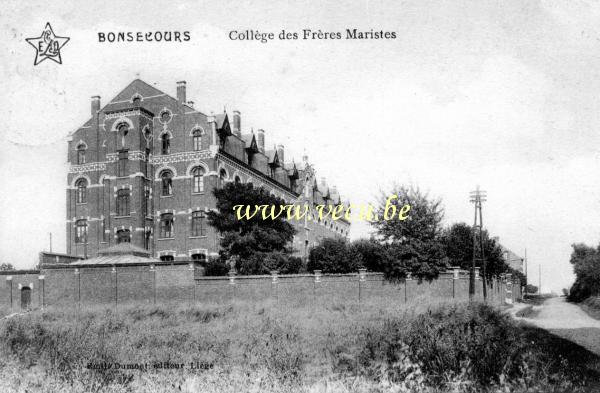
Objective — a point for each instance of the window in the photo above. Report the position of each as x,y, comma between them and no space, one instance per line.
222,177
147,207
81,231
167,183
123,130
166,226
148,138
147,240
198,179
104,237
81,154
199,257
123,236
167,258
123,202
237,180
197,139
198,223
122,164
81,193
166,144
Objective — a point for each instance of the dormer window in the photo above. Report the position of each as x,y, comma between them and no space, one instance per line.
81,148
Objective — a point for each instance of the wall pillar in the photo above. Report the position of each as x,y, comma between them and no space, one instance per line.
9,284
362,277
274,282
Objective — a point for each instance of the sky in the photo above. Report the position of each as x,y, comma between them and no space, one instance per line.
497,94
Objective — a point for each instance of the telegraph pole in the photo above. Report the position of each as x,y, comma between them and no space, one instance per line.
478,197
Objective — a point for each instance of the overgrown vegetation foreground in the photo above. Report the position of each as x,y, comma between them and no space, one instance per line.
274,347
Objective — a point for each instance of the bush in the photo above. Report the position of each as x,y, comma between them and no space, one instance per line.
265,262
216,267
476,345
333,255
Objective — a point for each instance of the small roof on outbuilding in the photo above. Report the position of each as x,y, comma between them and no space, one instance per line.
120,254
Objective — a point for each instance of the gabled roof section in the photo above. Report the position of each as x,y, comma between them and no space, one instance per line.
140,87
250,142
222,124
273,159
335,196
291,169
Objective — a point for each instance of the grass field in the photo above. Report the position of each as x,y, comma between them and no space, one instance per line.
286,347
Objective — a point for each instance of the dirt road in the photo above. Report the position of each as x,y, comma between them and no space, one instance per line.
567,320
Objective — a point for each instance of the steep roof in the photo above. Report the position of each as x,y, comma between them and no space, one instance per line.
272,156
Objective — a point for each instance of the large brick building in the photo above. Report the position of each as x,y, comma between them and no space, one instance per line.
143,167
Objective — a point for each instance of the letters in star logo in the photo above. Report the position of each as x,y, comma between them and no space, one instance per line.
47,45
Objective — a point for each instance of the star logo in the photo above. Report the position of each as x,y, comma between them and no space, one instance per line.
47,45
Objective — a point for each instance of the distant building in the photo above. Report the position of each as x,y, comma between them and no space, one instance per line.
143,167
513,260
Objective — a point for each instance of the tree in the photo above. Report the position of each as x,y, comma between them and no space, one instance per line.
530,288
414,244
458,246
373,254
333,255
586,264
257,245
6,266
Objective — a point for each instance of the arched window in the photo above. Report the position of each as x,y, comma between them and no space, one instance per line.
165,143
166,226
123,236
123,202
123,130
81,231
198,223
197,139
199,257
81,154
237,179
167,183
198,179
222,177
81,193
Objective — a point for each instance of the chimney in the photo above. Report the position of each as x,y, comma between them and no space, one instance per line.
95,105
280,153
261,141
181,92
237,123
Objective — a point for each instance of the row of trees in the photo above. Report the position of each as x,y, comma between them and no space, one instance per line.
586,264
418,245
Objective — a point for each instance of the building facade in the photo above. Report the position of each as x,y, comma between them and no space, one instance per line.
143,167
